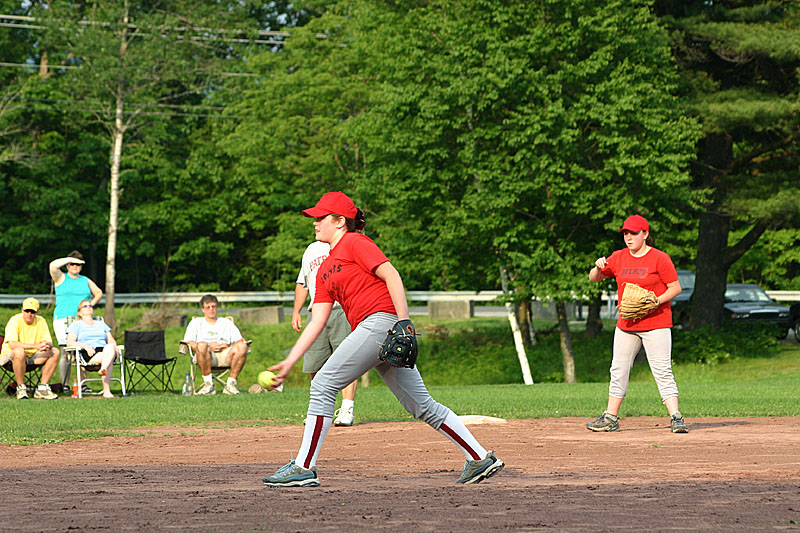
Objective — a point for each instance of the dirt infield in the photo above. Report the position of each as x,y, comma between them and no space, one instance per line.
727,474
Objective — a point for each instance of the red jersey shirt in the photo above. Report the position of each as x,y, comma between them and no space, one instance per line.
347,276
652,271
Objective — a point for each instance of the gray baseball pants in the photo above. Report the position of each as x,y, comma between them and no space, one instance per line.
357,354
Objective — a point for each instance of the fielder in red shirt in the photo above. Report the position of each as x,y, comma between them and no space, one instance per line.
652,269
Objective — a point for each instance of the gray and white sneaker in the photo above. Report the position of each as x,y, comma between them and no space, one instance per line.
478,470
606,422
207,390
676,423
43,392
293,475
22,392
231,388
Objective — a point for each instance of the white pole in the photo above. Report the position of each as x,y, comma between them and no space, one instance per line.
512,319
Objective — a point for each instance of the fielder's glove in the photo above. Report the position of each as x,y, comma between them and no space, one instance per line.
636,302
400,347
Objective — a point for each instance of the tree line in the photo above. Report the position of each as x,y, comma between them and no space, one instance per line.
174,143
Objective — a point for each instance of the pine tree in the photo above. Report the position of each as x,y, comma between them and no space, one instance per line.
740,64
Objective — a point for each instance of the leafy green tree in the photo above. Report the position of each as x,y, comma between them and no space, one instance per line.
14,43
521,135
287,150
773,262
740,64
44,156
134,58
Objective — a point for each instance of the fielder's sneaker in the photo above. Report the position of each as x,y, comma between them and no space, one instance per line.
344,416
478,470
43,392
231,387
22,392
293,475
606,422
676,423
207,390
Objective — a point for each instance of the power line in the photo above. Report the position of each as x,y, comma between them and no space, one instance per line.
138,111
34,66
19,22
94,102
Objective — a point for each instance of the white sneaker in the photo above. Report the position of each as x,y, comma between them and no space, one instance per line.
231,388
45,393
207,390
344,417
22,392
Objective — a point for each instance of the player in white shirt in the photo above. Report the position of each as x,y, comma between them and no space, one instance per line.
336,329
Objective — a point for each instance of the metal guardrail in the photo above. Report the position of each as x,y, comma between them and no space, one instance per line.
277,296
784,296
231,297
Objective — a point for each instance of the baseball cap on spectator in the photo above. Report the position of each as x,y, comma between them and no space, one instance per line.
635,224
30,303
337,203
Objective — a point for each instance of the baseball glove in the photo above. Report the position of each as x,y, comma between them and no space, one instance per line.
255,388
636,302
400,347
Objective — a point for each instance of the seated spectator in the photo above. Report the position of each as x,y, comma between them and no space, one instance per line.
216,342
28,340
94,338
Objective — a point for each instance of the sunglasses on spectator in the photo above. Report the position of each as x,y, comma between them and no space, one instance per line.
87,305
30,311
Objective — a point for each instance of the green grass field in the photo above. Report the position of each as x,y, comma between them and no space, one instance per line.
469,365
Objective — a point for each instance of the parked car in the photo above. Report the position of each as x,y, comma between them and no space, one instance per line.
748,303
680,304
795,312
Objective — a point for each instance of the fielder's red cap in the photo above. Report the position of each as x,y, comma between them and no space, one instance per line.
635,224
336,203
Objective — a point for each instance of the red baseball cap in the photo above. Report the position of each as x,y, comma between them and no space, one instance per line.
635,223
337,203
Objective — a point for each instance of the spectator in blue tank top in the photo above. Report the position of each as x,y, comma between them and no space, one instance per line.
70,289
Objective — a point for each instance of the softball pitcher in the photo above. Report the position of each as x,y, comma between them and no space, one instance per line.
360,277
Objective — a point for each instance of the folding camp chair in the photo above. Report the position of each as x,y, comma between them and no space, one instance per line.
80,360
33,375
218,373
146,353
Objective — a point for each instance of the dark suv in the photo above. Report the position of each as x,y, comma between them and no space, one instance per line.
680,304
750,304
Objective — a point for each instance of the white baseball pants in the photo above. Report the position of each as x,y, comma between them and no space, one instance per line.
658,347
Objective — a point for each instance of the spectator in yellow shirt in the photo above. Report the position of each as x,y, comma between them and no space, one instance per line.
28,340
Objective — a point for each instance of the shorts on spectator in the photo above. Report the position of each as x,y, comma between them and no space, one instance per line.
221,358
29,357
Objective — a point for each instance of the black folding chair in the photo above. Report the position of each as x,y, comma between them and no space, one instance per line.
146,353
33,375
